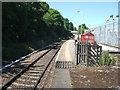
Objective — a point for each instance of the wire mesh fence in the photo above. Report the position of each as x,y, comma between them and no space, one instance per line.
108,33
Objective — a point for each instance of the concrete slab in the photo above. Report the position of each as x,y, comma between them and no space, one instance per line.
62,76
106,48
61,79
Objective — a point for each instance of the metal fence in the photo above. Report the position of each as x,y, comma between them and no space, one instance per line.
108,33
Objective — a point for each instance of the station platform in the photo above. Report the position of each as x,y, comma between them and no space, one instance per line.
66,56
67,51
109,48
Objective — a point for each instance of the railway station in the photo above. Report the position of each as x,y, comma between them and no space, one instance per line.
54,54
54,64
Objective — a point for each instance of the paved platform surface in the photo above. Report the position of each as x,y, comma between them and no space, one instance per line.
61,76
61,79
110,48
66,51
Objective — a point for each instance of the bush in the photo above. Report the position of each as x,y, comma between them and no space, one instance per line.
106,59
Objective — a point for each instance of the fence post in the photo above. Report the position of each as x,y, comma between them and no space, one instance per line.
86,53
100,51
77,53
80,52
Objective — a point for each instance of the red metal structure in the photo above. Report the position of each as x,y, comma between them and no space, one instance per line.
88,36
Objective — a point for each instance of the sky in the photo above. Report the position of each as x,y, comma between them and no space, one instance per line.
90,13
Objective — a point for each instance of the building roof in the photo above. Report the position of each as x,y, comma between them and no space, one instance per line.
88,33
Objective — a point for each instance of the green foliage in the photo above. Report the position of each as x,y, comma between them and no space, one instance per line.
72,82
75,29
53,18
82,27
106,59
28,26
71,26
68,25
56,24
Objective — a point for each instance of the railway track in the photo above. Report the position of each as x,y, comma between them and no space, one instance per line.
32,75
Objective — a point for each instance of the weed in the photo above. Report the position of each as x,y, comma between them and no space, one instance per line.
72,82
106,59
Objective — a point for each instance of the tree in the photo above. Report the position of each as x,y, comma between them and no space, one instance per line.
66,23
75,29
83,28
71,27
54,21
26,24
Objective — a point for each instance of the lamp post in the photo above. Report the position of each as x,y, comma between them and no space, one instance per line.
81,24
78,30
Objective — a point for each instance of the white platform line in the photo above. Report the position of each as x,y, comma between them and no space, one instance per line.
59,53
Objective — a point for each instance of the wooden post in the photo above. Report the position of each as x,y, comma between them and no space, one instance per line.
86,53
80,52
77,54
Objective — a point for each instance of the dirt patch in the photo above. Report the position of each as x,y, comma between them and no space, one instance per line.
95,77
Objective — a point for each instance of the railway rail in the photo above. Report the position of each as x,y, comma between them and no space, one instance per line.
31,75
23,58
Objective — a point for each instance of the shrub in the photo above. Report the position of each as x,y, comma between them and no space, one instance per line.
106,59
